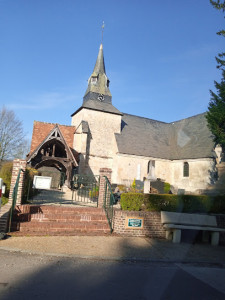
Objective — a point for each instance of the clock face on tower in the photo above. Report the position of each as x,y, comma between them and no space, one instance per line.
101,97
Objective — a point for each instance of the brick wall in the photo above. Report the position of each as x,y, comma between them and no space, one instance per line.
17,165
152,224
103,172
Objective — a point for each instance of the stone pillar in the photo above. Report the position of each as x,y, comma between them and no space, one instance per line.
103,172
17,165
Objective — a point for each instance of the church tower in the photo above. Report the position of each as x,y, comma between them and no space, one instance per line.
96,122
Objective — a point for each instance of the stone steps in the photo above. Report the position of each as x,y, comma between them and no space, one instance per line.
58,220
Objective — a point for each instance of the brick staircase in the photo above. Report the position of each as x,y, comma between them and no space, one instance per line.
59,220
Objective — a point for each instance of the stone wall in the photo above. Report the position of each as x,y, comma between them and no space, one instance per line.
97,147
125,170
152,224
200,174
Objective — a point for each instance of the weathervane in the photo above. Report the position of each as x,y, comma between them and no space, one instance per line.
103,26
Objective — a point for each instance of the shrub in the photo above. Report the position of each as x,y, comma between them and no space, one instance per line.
132,201
194,203
166,187
6,175
176,203
218,204
94,192
4,200
122,188
133,185
28,191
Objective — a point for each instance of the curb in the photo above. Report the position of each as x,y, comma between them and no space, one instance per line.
116,258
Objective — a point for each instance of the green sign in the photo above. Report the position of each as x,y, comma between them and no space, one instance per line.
137,223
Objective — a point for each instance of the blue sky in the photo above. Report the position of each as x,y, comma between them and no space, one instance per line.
159,56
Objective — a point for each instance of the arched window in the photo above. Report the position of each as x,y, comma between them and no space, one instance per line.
186,169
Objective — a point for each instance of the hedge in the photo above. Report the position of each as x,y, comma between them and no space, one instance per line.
132,201
176,203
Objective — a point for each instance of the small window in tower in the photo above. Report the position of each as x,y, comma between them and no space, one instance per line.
107,83
93,80
186,169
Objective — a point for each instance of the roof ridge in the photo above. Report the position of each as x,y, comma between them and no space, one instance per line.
145,118
188,118
54,123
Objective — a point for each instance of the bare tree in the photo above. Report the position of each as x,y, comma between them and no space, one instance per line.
11,135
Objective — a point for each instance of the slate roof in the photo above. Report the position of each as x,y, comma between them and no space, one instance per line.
101,87
184,139
100,106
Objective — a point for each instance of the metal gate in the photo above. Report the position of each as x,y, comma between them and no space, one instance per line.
85,189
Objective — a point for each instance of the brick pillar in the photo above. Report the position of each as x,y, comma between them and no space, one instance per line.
17,165
103,172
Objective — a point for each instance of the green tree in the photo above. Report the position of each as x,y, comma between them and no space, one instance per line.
216,114
216,109
220,6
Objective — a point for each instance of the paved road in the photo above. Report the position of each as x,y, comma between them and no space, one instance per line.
39,276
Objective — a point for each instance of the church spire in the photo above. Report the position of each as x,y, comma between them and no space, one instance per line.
100,64
98,83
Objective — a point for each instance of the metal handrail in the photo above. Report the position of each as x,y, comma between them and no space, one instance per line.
108,203
14,198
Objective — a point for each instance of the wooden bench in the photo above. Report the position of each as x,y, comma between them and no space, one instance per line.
174,222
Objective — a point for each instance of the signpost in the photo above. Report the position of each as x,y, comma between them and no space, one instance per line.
42,182
134,223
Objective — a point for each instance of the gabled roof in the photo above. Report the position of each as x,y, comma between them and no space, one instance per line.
55,133
42,129
185,139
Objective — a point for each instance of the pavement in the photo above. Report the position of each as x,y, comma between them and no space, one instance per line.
116,248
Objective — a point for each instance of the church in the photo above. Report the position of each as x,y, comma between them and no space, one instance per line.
181,153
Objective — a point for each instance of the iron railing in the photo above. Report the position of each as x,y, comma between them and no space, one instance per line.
14,198
85,189
108,203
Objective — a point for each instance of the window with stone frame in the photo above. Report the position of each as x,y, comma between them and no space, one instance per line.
186,169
